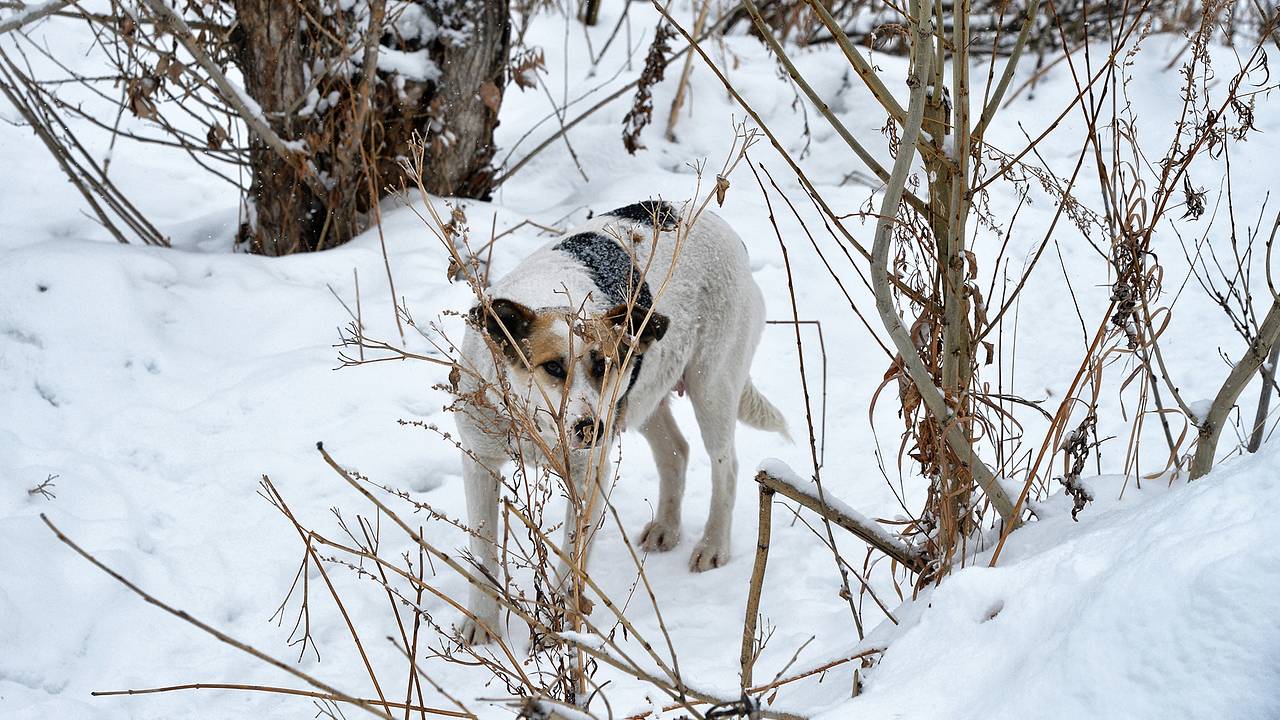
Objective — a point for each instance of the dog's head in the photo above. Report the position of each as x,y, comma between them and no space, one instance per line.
570,371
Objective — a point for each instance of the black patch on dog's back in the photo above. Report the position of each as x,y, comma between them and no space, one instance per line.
610,266
647,212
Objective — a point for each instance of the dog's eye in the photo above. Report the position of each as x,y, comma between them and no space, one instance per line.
554,369
597,366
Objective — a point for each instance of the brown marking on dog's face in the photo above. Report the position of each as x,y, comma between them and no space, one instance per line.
546,346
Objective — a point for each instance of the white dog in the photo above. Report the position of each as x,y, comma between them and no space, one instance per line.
633,289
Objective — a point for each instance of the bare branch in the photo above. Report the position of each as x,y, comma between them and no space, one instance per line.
183,615
862,153
32,13
169,19
1244,370
868,532
279,691
747,658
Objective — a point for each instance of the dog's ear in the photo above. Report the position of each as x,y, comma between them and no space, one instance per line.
628,320
516,318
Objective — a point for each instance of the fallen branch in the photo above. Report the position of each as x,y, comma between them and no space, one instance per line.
777,682
772,477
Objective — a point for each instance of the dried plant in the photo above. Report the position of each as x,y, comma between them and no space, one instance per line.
655,66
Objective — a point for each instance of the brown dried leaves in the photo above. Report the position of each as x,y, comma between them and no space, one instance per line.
655,65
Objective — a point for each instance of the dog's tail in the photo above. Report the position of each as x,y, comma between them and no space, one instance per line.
755,410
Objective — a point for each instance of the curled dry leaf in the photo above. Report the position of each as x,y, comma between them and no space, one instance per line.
139,92
216,136
175,70
490,95
526,65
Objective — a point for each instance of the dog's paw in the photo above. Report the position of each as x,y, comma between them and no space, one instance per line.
659,536
709,554
473,633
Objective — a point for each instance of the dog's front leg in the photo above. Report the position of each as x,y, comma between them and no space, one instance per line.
480,481
671,454
588,471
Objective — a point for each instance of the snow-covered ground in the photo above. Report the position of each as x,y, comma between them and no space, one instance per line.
159,385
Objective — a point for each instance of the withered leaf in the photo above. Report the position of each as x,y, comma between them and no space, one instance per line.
491,95
525,67
216,136
139,102
722,187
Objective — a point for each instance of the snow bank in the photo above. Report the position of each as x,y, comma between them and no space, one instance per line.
1162,605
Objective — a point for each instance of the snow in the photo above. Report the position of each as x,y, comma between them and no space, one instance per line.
159,385
1200,408
416,65
1154,607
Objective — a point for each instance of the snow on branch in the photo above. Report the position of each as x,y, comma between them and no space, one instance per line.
777,476
31,13
237,98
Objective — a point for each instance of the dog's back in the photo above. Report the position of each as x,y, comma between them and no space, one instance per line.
699,277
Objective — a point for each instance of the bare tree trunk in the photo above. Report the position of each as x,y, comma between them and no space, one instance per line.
366,126
460,110
947,168
284,215
471,85
591,11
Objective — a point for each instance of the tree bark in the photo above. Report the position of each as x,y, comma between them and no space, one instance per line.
591,12
283,214
1210,427
364,124
459,112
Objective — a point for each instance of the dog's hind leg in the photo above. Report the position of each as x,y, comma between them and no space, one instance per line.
671,455
481,486
715,403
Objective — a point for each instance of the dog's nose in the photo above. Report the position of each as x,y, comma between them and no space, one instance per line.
587,430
